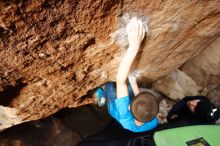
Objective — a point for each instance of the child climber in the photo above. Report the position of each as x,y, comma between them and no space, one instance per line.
139,113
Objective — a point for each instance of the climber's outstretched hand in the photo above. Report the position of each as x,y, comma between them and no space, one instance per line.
136,32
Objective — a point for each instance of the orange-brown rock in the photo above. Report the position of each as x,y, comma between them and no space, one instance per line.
53,52
205,67
176,85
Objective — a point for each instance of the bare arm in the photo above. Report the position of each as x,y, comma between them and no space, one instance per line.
136,34
134,86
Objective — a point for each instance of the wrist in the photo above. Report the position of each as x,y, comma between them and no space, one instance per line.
134,46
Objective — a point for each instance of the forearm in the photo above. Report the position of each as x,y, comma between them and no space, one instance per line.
125,64
123,72
134,85
136,34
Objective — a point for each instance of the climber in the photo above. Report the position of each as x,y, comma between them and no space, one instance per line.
194,110
139,114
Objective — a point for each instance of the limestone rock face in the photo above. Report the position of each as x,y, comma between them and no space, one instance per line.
53,52
176,85
205,68
214,95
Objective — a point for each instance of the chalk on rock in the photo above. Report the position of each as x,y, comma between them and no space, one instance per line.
120,35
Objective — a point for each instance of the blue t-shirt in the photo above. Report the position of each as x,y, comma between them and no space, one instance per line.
118,109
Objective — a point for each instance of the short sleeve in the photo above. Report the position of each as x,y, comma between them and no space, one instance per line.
122,105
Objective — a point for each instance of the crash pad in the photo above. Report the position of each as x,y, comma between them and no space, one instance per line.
200,135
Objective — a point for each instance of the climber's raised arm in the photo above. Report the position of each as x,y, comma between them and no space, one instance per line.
136,33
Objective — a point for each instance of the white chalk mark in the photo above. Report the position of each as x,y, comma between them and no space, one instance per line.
120,36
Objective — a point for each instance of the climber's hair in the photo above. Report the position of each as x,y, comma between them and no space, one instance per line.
144,107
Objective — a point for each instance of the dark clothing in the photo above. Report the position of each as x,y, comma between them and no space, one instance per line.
109,91
116,135
184,114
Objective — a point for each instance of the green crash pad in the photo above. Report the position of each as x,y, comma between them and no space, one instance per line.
200,135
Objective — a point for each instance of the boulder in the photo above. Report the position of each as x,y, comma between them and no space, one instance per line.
59,50
204,69
176,85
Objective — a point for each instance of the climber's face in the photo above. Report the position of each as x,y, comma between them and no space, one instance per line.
192,104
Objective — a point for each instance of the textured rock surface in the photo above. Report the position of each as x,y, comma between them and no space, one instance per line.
205,68
177,85
8,116
214,95
53,52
